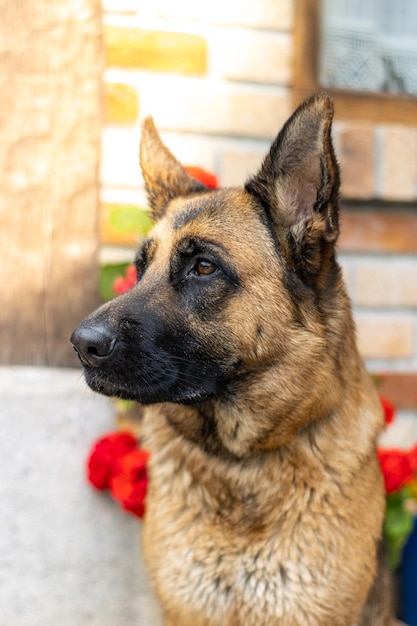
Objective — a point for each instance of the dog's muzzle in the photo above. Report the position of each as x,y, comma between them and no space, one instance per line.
94,344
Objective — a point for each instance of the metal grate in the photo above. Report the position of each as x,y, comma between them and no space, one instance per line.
369,45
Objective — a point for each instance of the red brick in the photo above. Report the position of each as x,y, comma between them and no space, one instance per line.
356,152
400,388
399,163
376,231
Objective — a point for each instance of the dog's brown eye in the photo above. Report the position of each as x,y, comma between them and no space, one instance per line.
205,268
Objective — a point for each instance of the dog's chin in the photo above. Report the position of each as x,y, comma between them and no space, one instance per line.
192,397
173,394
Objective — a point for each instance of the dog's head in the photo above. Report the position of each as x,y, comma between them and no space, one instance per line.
236,287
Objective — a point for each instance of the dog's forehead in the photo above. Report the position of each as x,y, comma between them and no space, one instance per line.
219,211
228,219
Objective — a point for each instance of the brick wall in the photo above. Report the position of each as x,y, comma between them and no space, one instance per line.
378,160
379,247
213,108
217,80
378,251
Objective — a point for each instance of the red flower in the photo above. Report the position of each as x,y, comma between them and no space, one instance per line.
129,485
105,457
123,283
399,467
209,180
389,410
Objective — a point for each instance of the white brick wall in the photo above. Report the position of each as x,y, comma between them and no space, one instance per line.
262,14
245,94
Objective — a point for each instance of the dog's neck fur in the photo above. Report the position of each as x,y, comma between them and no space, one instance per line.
336,444
266,412
232,429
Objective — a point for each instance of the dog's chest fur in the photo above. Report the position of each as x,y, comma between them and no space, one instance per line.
263,537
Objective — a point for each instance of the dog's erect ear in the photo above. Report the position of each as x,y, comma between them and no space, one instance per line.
298,182
165,178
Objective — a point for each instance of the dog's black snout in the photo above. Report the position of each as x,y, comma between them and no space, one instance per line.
93,344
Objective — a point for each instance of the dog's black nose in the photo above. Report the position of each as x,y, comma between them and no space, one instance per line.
94,344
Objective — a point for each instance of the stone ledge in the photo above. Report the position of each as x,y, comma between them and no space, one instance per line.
69,554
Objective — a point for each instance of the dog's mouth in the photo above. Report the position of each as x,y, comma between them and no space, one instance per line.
146,393
146,368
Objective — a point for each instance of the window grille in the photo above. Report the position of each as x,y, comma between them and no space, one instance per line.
369,45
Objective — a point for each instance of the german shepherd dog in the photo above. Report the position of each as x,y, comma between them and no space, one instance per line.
266,501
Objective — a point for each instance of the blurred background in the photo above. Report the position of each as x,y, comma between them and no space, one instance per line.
77,78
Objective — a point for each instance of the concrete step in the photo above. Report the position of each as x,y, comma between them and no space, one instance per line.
68,555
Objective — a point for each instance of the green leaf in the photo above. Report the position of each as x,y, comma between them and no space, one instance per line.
130,219
108,273
122,406
398,525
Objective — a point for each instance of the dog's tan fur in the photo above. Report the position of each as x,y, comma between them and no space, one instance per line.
265,502
287,532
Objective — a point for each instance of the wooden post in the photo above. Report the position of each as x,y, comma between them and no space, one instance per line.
50,121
